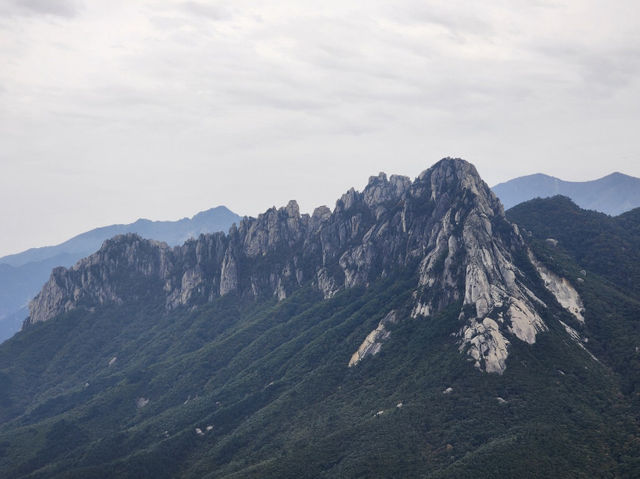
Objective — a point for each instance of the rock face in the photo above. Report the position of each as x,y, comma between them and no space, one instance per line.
124,269
373,342
562,290
446,225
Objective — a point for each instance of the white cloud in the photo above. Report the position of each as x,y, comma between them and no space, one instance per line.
61,8
110,110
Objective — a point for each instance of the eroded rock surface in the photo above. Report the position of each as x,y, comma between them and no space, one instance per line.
562,290
575,335
446,225
373,342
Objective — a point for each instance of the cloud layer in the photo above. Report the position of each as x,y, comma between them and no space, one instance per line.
111,110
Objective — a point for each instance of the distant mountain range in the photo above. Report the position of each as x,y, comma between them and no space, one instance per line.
23,274
613,194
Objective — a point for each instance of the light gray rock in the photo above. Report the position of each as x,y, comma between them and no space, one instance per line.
373,342
446,223
562,290
228,274
575,336
326,284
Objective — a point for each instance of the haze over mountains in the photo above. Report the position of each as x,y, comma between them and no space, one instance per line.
613,194
414,331
23,274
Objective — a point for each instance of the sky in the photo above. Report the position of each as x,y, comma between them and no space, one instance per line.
114,110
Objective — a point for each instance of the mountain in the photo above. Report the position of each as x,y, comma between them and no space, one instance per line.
413,331
440,225
608,246
23,274
613,194
601,255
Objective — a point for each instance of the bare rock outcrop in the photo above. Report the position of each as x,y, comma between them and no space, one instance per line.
446,225
373,342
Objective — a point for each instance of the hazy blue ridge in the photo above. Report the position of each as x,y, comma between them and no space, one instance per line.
23,274
173,233
613,194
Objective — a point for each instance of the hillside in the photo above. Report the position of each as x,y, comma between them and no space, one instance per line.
602,256
599,243
410,332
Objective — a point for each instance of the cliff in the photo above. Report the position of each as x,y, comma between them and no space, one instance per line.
446,226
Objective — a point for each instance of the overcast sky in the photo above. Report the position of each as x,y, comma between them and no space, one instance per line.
113,110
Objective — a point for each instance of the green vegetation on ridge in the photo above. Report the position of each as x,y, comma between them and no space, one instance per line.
272,381
240,387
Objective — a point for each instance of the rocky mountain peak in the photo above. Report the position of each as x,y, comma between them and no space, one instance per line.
446,226
128,258
292,209
380,190
453,177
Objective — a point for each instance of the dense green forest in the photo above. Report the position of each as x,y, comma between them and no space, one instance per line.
600,255
605,245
